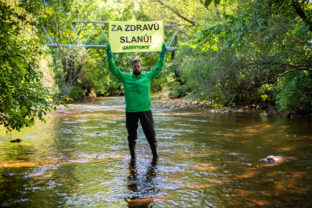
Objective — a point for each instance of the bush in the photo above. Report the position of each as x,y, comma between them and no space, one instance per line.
294,92
76,93
23,97
178,91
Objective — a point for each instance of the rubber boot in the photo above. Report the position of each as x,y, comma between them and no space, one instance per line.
154,152
132,151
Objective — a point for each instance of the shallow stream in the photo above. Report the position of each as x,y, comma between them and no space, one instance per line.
80,158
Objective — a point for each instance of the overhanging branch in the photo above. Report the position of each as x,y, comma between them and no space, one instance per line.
176,12
272,63
301,13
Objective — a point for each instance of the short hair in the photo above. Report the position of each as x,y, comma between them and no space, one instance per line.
136,60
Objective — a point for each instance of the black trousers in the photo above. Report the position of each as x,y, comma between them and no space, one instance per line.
147,123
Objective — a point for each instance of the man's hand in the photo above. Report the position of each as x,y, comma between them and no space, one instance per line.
163,50
164,47
108,51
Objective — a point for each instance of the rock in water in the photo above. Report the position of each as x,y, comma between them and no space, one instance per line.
225,112
265,115
15,140
273,159
6,174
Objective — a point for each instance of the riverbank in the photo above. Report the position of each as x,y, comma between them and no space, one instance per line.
162,99
184,104
264,109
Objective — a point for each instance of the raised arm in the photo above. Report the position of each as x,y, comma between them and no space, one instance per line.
111,65
160,63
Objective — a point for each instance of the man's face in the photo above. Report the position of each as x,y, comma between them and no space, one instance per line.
136,67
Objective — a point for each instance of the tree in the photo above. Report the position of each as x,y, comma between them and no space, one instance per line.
94,75
69,63
252,51
22,95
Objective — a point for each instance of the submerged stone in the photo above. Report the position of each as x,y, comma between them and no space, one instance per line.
225,112
6,174
16,140
273,159
265,115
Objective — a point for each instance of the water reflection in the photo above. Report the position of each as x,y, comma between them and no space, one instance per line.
142,190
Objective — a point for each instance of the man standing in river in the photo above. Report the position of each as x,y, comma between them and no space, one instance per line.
138,100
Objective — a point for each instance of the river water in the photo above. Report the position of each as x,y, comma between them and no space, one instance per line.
80,158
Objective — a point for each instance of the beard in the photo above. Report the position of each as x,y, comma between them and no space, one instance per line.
137,72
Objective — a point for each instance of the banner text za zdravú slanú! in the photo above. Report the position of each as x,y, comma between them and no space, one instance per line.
136,36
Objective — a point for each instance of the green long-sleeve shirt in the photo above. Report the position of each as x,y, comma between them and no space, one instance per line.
136,87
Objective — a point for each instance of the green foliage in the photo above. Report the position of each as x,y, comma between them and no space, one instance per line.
208,2
69,63
177,90
76,93
22,95
294,92
90,71
238,58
